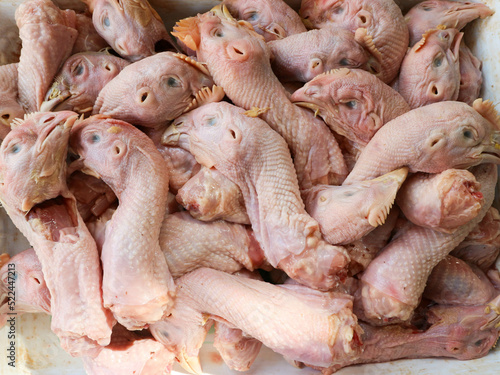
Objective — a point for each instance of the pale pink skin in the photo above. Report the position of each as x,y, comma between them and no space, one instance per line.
130,353
9,106
452,14
80,80
248,152
454,282
48,35
302,57
382,20
443,202
65,248
236,349
393,283
429,139
88,39
471,77
455,332
209,195
241,53
137,285
482,246
273,19
188,244
430,72
152,91
318,331
131,27
31,292
348,213
352,102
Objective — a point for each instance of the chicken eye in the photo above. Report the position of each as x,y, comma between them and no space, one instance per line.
351,104
95,138
437,62
338,10
15,149
106,22
468,134
218,33
211,121
172,82
78,70
426,9
344,62
252,16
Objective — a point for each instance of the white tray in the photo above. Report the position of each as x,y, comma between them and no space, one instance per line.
38,351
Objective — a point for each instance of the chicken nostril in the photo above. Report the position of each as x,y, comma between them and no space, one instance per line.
238,51
233,134
435,91
144,96
36,280
6,116
362,19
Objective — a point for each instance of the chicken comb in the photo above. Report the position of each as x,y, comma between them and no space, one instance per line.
486,109
187,32
193,62
340,72
205,96
256,111
361,36
425,35
16,122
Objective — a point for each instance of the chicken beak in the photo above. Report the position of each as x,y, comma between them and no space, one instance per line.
172,136
492,308
190,364
311,106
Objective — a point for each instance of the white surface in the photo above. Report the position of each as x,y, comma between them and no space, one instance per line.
38,352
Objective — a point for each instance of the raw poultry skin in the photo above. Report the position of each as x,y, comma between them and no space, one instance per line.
45,211
443,201
318,330
273,19
471,77
47,35
430,71
352,102
248,152
131,27
348,213
9,106
394,281
137,285
302,57
209,195
451,14
154,90
80,80
88,40
378,24
232,49
431,139
454,282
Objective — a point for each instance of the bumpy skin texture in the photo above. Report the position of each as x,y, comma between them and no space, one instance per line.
352,102
460,332
302,57
430,139
236,349
31,293
394,281
130,353
9,106
131,27
452,14
45,211
249,153
209,195
273,19
347,213
152,91
482,245
379,24
443,202
137,285
319,330
454,282
80,80
238,60
430,71
48,35
88,39
188,244
471,77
